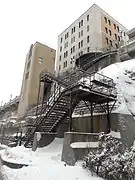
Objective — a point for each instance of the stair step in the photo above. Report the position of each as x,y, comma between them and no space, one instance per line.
50,119
60,112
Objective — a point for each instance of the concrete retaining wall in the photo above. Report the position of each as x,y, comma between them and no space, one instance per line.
70,155
123,123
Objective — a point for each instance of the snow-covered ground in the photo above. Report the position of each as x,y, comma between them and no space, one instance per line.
44,164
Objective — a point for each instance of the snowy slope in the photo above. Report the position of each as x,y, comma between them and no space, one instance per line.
45,165
123,74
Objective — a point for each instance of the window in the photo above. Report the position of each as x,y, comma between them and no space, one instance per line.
64,65
88,49
61,40
118,38
81,52
114,26
72,60
111,42
66,54
110,32
87,28
40,60
72,31
28,65
79,45
81,22
66,45
87,17
109,22
71,40
115,36
81,32
59,67
106,40
124,34
27,75
60,48
73,48
60,58
118,28
82,43
88,39
105,19
116,46
66,35
106,30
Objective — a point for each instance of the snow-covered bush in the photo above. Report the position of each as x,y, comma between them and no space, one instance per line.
111,161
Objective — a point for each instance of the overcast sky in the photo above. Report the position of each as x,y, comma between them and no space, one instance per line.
22,22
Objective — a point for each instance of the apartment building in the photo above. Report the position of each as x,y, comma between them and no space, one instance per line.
40,57
95,30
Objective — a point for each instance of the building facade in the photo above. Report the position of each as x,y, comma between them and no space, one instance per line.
93,31
40,57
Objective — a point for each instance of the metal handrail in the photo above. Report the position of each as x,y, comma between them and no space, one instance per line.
80,77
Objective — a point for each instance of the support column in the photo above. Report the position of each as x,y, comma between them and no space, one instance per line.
54,88
43,97
108,119
38,96
91,119
70,112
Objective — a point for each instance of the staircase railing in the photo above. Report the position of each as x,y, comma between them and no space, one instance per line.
89,64
39,118
97,82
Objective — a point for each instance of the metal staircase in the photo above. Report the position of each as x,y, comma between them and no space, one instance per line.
80,85
56,110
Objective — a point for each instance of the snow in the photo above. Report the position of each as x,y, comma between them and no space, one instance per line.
85,145
2,146
18,155
45,164
123,74
115,134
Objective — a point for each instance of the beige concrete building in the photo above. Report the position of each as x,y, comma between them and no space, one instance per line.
40,57
94,30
